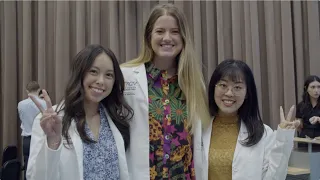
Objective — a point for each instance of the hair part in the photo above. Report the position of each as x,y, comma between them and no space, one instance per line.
190,77
249,111
73,103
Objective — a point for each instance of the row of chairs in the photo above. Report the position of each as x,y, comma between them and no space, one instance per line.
11,166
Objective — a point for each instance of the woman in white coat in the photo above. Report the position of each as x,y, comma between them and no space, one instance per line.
237,144
164,85
86,137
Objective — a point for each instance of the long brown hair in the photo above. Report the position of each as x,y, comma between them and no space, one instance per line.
73,103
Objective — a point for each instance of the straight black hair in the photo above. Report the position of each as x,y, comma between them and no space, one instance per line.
249,111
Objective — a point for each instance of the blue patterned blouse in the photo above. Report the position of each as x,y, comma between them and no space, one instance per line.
100,160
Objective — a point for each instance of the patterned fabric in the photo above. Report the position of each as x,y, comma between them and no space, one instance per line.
171,148
223,142
100,160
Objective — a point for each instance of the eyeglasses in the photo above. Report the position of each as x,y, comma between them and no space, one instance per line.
236,89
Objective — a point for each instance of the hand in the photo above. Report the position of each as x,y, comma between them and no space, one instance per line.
314,119
288,123
300,126
50,123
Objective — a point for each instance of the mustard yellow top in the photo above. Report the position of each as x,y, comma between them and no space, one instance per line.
223,142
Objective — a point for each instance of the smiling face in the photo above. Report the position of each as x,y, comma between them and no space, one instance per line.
229,95
98,81
166,40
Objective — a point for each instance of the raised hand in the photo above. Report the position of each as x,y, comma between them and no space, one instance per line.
287,122
50,123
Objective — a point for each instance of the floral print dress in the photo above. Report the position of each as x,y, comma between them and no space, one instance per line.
171,151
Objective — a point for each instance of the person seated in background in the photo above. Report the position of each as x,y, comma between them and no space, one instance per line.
308,110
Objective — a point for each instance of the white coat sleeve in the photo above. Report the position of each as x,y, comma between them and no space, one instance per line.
278,148
43,162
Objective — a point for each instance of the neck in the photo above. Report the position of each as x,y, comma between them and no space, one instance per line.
169,65
313,101
91,110
224,114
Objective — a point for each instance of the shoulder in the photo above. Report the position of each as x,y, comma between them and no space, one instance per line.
131,72
23,102
267,132
299,105
126,71
283,135
267,129
19,104
26,104
268,135
125,67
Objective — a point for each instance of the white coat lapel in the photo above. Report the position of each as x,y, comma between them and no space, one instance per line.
198,150
120,147
140,73
137,97
243,134
206,138
78,146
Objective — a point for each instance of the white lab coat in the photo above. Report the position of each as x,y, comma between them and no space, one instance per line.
267,160
63,163
136,94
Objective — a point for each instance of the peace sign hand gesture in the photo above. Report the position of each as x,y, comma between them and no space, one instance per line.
288,123
50,123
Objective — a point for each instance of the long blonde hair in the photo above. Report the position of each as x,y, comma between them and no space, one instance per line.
190,76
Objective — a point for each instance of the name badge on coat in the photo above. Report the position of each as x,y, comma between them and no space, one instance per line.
130,88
